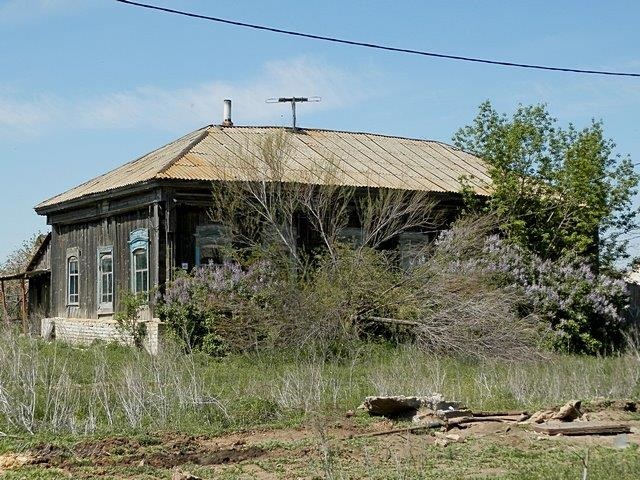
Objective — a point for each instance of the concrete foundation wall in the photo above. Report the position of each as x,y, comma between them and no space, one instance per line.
80,331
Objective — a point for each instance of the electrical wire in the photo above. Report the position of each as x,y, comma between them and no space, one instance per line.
377,46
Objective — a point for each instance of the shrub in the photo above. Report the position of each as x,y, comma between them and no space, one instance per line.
473,294
218,309
344,296
583,308
127,317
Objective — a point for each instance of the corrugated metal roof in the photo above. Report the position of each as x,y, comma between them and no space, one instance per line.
355,159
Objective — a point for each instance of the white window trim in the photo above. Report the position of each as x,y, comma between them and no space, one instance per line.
138,240
105,307
135,271
72,253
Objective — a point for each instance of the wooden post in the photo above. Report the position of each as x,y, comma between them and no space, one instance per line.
5,310
25,312
169,231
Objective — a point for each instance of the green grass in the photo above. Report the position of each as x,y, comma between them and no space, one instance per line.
53,388
81,395
475,459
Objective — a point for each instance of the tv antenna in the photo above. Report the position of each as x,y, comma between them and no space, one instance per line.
293,101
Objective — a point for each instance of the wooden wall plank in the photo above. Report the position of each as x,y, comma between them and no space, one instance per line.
87,237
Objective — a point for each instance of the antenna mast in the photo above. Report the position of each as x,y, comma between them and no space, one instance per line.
293,101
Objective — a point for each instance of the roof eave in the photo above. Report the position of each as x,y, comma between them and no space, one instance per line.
46,209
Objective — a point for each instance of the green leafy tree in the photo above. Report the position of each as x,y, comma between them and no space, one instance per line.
556,190
17,262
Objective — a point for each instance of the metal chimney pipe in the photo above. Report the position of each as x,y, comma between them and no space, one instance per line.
226,117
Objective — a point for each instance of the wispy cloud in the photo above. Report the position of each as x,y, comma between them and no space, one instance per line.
181,108
18,11
579,98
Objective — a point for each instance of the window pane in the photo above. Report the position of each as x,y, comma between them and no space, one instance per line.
105,276
140,259
138,284
106,288
106,264
72,283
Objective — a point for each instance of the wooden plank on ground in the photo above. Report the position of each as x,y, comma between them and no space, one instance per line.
501,419
509,413
581,428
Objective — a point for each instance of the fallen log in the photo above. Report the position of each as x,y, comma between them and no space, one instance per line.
581,428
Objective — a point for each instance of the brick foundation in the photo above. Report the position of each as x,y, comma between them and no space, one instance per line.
81,331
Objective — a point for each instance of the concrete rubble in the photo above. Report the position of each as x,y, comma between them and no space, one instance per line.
399,405
433,411
567,413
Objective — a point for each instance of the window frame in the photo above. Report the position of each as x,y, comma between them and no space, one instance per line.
409,245
353,236
211,236
105,307
135,271
139,242
73,255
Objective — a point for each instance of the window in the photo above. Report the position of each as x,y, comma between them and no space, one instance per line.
412,248
211,243
140,271
351,236
139,247
73,277
105,279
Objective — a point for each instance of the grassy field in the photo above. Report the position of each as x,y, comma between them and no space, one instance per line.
283,415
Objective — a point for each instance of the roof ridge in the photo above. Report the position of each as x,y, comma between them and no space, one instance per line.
400,137
181,153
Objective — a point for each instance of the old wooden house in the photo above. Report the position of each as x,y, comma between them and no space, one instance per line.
129,229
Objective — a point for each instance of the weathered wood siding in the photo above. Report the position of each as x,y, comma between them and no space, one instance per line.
39,298
87,237
44,261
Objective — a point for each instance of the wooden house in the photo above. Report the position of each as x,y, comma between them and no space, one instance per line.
130,228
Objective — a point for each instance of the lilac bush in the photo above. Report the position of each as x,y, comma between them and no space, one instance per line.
203,308
274,304
583,309
474,280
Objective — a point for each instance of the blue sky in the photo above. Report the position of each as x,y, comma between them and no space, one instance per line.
86,85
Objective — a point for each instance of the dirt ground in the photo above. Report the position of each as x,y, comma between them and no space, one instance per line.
310,452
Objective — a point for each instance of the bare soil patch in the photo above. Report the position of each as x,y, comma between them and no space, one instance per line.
259,453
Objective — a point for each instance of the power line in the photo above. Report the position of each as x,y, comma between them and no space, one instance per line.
377,46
